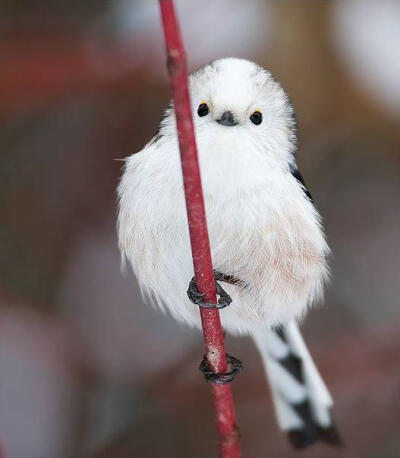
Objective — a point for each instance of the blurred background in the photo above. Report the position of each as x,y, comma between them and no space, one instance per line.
86,369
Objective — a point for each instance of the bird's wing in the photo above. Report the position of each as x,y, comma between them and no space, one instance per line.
295,172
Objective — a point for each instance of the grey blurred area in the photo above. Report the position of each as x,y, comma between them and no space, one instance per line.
86,369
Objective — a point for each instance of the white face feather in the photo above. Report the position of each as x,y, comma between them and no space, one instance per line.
241,87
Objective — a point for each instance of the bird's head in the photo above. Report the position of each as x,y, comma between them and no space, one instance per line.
235,98
237,102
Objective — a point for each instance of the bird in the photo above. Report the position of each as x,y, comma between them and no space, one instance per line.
266,237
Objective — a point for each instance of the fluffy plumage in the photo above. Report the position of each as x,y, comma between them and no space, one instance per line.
263,227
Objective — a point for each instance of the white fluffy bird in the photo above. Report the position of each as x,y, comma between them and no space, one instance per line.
267,243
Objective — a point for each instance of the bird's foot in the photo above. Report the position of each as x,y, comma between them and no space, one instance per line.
197,297
234,364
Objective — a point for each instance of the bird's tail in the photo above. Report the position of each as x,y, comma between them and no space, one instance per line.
302,401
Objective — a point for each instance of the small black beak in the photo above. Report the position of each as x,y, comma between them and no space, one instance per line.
227,119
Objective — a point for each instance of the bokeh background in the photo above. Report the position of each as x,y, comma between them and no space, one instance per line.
86,369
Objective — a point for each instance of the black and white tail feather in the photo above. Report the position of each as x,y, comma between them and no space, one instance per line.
301,399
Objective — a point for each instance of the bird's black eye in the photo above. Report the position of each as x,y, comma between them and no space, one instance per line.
256,118
203,110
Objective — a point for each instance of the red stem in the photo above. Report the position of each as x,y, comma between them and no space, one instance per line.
212,331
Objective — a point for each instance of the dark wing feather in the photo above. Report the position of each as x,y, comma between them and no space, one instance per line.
295,172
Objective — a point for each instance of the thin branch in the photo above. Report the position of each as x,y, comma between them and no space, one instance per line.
204,276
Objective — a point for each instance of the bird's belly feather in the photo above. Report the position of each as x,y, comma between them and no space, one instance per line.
269,238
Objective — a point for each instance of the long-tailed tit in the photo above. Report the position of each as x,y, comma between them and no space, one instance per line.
267,243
